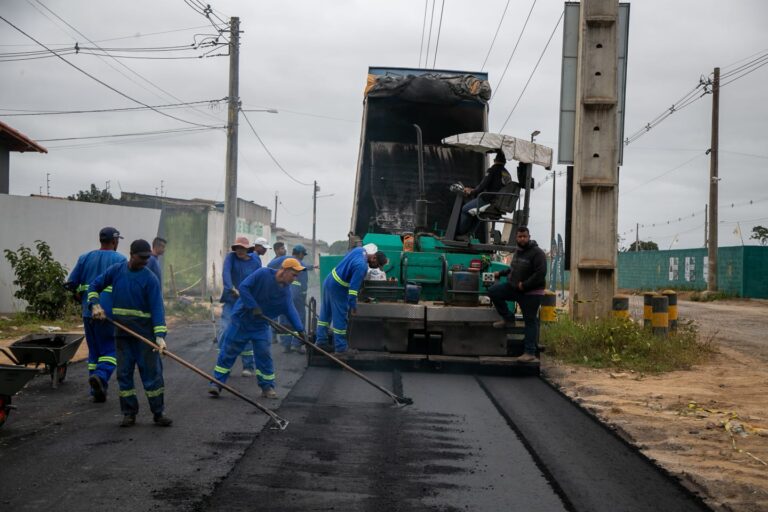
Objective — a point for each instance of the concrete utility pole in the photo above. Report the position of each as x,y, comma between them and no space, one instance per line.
713,179
230,180
596,158
275,210
706,225
637,237
315,190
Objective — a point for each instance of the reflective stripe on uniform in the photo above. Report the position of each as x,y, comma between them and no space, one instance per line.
93,295
246,353
82,288
108,289
221,369
160,329
130,312
265,376
353,292
323,324
338,279
155,393
92,366
127,393
338,331
296,283
108,359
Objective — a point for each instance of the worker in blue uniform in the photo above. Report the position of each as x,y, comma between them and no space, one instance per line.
158,249
339,294
99,336
265,293
239,264
137,303
299,294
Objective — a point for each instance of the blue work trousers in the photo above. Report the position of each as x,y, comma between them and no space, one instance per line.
468,223
130,354
500,293
334,307
100,337
301,309
226,320
232,344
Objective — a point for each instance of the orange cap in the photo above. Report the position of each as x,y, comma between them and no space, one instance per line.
293,264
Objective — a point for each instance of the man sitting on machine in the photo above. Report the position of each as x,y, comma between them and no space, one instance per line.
496,177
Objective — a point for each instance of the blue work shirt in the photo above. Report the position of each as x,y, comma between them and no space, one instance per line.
234,272
87,268
261,290
153,264
277,261
351,271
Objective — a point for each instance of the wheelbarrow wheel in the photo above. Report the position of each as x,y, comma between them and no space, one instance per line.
5,410
61,373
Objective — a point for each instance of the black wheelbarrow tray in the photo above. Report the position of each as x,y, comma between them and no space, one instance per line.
52,350
12,379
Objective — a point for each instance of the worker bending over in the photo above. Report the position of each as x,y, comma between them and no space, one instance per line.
266,292
99,336
137,303
339,294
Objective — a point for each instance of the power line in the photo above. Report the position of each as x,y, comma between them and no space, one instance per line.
270,153
294,214
533,71
429,38
522,31
439,27
125,140
124,95
495,35
101,110
116,135
135,36
423,28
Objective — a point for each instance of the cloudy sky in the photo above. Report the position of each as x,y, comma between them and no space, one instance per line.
309,59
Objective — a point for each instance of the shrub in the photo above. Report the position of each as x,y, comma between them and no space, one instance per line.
40,279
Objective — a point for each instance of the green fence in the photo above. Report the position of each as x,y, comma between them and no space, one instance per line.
742,271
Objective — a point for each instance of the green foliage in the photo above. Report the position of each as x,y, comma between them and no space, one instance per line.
339,247
40,279
760,234
643,246
706,296
624,345
188,310
94,195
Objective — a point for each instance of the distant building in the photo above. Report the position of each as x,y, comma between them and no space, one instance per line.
12,140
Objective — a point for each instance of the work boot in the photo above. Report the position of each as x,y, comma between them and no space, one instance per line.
162,421
214,390
504,323
97,387
268,393
527,358
247,372
129,420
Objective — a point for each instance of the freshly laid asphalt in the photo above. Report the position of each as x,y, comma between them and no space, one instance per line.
467,443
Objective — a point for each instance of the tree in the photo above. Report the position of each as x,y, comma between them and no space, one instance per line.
338,247
94,195
643,246
40,279
760,234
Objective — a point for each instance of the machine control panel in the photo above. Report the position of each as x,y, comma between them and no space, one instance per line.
488,278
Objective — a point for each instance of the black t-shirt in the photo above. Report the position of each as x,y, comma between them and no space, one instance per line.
495,178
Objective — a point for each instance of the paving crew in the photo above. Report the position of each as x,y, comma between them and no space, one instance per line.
299,294
158,249
99,336
526,279
137,303
339,293
265,292
496,177
238,265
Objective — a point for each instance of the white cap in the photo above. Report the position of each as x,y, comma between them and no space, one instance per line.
261,241
370,249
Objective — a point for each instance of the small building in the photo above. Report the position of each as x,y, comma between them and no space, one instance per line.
12,140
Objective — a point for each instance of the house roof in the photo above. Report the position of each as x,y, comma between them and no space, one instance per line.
17,141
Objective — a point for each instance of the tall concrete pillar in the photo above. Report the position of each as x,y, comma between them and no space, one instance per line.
596,153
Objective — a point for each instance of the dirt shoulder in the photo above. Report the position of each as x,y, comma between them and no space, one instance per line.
709,425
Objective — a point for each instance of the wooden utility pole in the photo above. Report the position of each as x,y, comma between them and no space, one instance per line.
713,179
637,237
230,180
276,210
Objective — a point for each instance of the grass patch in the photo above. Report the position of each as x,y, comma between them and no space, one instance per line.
711,296
624,345
188,310
20,324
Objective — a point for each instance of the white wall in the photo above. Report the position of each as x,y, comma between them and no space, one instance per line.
69,227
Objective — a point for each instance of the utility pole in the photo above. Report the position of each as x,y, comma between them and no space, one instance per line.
275,210
706,225
713,179
315,189
230,180
637,237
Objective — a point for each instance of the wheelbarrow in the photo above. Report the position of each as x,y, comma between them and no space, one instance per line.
52,350
12,379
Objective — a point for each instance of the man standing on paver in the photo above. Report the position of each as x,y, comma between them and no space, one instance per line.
339,295
137,303
239,264
99,336
526,279
158,249
266,292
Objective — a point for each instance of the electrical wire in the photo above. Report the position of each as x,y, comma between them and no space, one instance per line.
95,111
423,29
532,72
686,100
124,95
116,135
135,36
522,31
439,27
286,210
494,36
429,38
123,141
270,153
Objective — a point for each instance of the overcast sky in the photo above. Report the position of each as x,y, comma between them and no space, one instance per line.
309,59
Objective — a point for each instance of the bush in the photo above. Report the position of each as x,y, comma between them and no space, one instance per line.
624,345
40,279
706,296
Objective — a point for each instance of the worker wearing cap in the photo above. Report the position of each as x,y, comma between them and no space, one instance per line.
298,293
238,265
339,293
137,303
265,293
494,180
100,337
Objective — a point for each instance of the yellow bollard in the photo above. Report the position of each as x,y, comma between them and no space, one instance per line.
647,309
660,320
620,306
672,297
548,304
